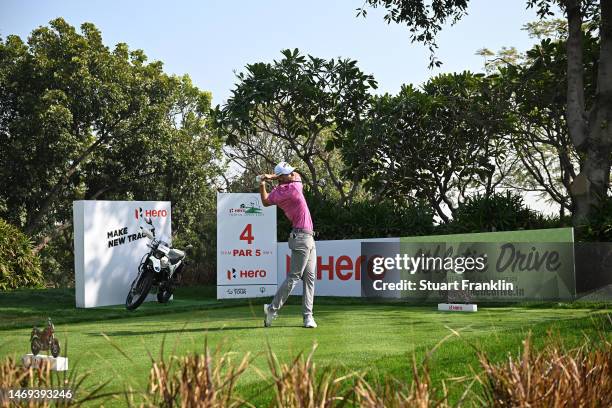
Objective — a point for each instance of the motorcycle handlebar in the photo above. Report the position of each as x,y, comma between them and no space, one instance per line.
147,233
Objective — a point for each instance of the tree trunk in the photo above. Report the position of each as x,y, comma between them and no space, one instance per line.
338,183
576,120
44,241
314,179
590,187
436,205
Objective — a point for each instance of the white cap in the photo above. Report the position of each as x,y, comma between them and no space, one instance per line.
283,168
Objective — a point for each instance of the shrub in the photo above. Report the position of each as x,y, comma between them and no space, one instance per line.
497,212
201,262
57,260
19,265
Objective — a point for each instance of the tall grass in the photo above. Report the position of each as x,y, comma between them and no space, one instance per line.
196,380
396,394
208,381
552,377
300,384
14,376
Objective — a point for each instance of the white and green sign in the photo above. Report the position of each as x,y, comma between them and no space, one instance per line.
497,266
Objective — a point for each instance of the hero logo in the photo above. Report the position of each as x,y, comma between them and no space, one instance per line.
252,208
250,273
342,267
139,213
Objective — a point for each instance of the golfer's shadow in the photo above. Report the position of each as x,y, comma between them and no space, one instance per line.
194,330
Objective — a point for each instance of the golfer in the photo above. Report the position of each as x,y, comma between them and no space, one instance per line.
289,196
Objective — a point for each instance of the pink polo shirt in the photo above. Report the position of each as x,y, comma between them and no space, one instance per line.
290,198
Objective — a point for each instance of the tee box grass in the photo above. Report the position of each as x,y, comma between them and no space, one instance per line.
379,339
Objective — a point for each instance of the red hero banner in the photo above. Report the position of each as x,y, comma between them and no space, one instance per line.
340,266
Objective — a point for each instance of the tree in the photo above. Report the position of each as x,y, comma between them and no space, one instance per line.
299,102
81,121
436,144
424,18
536,82
66,97
588,127
541,137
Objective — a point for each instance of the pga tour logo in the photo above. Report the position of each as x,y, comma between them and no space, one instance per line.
246,274
253,208
139,213
237,291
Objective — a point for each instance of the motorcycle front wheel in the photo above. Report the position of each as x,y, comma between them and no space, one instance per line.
163,296
139,290
36,346
55,348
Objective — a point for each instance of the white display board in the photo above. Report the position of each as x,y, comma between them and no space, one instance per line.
339,266
108,246
246,246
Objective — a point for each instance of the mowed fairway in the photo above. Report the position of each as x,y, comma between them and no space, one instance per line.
378,338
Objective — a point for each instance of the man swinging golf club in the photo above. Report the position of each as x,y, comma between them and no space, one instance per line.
289,196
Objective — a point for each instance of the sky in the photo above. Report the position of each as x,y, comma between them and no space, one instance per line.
212,39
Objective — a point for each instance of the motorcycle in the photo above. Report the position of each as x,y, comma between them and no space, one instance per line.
160,267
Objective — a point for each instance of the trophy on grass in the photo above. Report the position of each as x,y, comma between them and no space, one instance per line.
45,340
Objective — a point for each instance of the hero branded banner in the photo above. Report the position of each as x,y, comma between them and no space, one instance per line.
340,266
246,246
108,246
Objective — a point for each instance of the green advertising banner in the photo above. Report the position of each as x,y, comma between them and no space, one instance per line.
498,266
528,236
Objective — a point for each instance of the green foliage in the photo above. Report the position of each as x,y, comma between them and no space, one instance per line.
362,219
599,228
424,18
197,225
587,125
431,144
19,266
300,102
305,94
83,121
57,261
497,212
539,135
